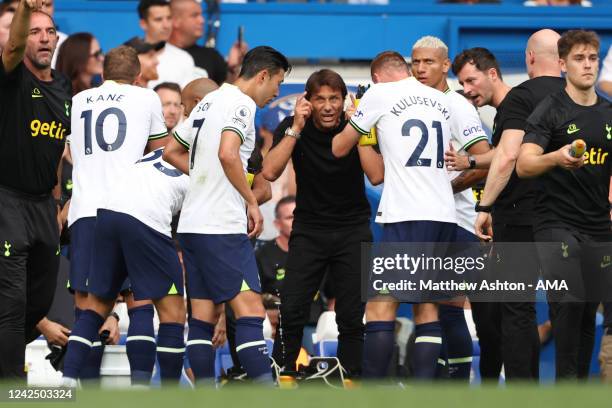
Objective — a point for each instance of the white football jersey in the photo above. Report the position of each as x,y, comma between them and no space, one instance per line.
151,190
466,130
111,126
413,129
213,205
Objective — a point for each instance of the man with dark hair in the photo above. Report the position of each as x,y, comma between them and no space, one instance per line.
508,330
34,123
170,95
331,219
572,204
188,28
175,64
213,146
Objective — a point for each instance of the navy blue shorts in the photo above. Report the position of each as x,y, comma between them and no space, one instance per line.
219,266
81,253
422,232
124,247
463,235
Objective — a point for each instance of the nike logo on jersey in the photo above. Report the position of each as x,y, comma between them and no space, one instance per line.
606,261
572,129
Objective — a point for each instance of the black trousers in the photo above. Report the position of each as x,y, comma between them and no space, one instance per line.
573,322
312,252
508,331
29,262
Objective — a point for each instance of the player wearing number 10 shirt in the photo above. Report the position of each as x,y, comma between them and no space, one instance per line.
413,124
112,125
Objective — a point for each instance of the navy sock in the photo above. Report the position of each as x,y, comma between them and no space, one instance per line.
77,313
427,345
378,348
200,351
442,366
83,335
458,341
252,350
140,344
170,352
91,370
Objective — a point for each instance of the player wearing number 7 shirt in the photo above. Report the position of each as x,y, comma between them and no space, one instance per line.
417,205
112,126
213,146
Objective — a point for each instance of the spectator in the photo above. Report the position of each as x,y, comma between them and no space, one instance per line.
188,27
272,259
175,65
80,59
170,95
605,79
147,55
6,16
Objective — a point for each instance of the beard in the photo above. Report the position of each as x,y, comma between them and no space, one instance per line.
41,63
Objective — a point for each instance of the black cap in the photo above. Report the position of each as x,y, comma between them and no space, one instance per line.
143,47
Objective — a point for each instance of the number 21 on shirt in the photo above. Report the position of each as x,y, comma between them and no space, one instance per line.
415,159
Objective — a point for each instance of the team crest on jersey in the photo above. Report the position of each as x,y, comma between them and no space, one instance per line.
609,132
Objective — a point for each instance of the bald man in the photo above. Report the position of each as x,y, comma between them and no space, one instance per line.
188,27
512,337
195,91
192,94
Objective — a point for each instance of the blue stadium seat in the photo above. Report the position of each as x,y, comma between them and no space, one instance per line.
326,348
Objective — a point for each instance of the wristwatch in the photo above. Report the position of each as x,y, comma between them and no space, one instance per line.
472,162
291,133
483,208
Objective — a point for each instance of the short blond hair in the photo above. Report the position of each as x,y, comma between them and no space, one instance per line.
430,41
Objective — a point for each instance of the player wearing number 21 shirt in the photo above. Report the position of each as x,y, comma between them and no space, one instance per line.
413,124
112,125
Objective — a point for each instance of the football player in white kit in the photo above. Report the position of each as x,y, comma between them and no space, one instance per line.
413,127
213,145
112,126
430,66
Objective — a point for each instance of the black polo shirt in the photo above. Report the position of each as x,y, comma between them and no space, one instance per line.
576,199
515,203
34,123
330,191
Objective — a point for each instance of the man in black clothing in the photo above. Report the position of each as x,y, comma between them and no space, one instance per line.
34,122
572,206
511,327
331,219
188,28
272,263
